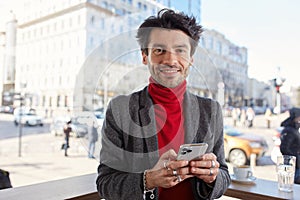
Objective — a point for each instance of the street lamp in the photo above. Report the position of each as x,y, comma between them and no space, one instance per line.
20,124
278,82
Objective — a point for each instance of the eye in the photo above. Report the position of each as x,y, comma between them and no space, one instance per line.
180,51
158,51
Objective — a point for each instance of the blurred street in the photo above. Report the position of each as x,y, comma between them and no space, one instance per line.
265,167
42,159
41,156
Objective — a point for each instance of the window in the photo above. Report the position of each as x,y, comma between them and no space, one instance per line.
44,101
78,20
219,48
202,42
139,5
91,41
104,4
92,20
50,101
58,100
210,43
102,23
66,101
60,80
54,27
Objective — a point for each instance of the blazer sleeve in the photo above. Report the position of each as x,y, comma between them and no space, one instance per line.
114,181
219,187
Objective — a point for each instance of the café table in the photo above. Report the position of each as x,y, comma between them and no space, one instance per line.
260,189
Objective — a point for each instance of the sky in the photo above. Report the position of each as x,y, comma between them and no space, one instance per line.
269,29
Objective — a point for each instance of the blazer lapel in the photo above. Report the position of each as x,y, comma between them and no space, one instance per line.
148,126
192,116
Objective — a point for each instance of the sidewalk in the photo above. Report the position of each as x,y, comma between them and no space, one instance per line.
42,159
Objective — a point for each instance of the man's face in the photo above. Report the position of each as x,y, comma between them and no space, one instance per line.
168,56
297,122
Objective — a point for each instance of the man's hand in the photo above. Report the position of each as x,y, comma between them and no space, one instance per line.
167,172
206,168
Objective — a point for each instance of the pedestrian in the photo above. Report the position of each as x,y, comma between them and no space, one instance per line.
140,140
93,138
290,139
268,116
250,114
243,117
67,131
235,115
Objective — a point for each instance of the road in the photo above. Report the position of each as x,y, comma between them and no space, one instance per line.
41,153
9,130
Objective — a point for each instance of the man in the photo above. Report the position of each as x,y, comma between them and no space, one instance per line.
67,131
290,139
93,138
143,131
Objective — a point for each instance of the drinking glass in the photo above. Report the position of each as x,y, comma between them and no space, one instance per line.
285,172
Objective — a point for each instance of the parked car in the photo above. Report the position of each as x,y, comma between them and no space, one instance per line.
100,118
7,109
78,129
27,116
239,146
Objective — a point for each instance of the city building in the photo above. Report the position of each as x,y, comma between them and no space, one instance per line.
74,55
231,62
54,40
8,60
2,53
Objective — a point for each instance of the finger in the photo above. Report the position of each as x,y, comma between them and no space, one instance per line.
209,156
169,155
205,171
183,171
201,163
177,164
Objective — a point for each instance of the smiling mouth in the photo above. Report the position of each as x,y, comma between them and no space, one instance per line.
169,70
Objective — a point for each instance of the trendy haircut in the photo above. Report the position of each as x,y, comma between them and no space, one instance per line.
169,19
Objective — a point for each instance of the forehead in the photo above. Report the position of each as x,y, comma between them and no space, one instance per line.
168,37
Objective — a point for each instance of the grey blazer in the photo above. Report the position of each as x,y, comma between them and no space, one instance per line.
130,146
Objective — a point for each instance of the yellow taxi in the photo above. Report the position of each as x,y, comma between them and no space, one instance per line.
239,146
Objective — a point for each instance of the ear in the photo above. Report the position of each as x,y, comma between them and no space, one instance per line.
145,58
191,61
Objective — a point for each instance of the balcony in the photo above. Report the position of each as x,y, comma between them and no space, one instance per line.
84,188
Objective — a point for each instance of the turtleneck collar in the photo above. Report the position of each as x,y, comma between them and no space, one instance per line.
164,95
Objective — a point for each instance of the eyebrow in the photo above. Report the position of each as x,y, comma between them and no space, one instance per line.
164,46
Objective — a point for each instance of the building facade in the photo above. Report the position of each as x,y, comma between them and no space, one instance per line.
54,40
231,62
77,54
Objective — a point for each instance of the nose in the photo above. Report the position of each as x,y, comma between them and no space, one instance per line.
170,58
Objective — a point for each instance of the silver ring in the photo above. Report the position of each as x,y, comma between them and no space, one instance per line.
213,164
210,172
179,178
174,172
165,164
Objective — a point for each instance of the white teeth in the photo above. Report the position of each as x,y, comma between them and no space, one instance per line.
169,71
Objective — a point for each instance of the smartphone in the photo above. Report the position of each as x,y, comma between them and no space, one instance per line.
191,151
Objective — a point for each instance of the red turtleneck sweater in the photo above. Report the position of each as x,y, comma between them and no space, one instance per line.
170,130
